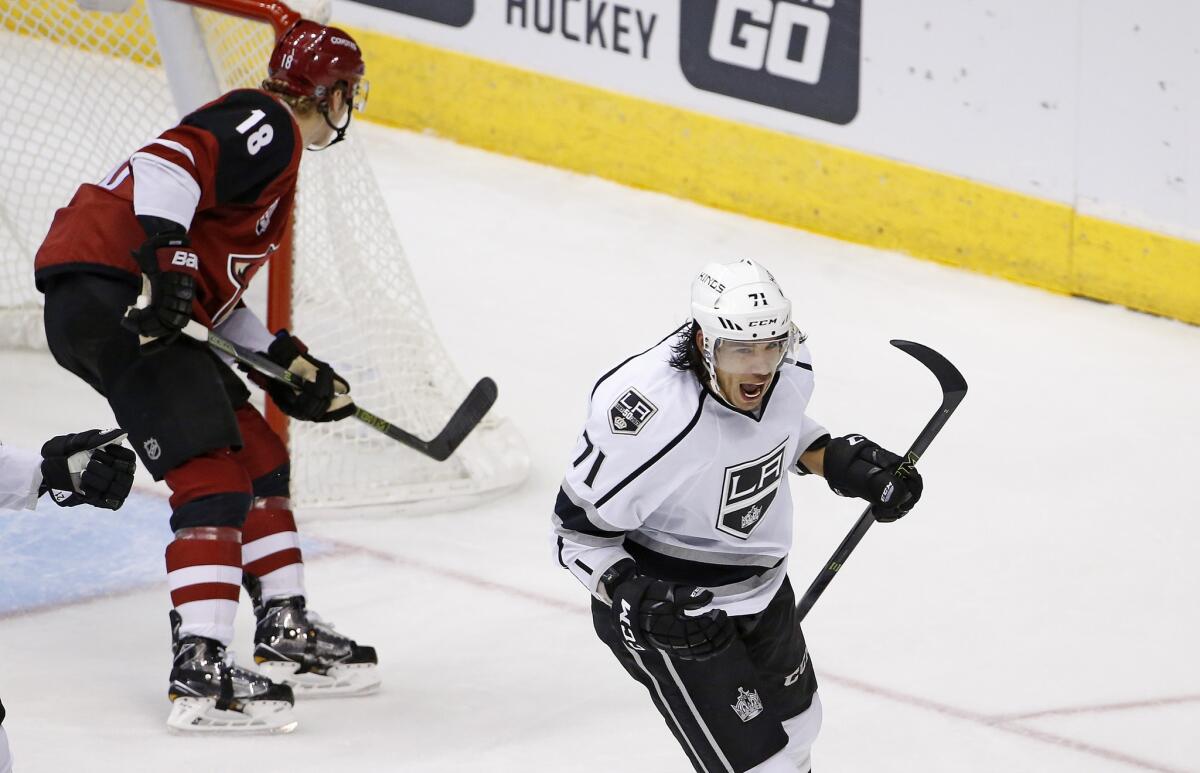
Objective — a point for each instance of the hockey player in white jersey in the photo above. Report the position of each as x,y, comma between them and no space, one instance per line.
675,513
85,468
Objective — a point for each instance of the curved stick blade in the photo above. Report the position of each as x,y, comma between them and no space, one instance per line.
948,376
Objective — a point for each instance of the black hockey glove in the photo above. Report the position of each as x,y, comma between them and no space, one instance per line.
88,468
652,613
169,274
857,467
325,394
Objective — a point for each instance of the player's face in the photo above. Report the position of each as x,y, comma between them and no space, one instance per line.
745,369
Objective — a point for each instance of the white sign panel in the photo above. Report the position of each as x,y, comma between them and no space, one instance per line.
990,91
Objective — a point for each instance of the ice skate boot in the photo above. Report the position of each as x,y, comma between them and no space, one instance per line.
295,647
210,694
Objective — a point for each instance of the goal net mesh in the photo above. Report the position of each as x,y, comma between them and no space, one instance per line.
86,89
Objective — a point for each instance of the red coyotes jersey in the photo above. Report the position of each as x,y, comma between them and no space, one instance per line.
242,152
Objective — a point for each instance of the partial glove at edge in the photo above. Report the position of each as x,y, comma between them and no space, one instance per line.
89,467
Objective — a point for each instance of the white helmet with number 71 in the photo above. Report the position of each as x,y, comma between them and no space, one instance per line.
747,325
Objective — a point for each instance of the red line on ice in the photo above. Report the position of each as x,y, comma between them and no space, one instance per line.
1151,703
1005,724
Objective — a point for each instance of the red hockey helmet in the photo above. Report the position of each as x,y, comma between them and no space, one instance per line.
310,60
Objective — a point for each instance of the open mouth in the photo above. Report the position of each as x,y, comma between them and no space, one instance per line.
752,390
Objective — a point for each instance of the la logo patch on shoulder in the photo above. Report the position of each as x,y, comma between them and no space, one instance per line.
630,413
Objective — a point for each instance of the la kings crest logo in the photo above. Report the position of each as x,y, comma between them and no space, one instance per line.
630,413
748,491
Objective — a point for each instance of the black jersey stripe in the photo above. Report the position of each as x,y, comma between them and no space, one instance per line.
634,357
575,517
805,365
704,575
586,451
650,463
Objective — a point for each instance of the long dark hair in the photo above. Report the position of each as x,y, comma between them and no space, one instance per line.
686,355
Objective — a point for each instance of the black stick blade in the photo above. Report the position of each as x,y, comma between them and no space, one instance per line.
469,414
943,370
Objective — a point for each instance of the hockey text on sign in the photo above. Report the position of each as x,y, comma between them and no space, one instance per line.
599,23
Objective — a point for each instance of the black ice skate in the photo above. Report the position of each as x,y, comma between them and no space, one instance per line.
210,694
295,647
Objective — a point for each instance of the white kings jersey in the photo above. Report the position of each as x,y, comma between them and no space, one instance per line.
693,490
20,478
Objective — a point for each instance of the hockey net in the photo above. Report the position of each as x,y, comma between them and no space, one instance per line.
87,88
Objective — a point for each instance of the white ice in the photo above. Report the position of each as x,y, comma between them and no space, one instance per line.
1037,612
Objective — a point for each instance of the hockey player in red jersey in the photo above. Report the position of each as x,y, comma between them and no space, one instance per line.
186,222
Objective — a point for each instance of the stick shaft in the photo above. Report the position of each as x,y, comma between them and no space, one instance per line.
954,388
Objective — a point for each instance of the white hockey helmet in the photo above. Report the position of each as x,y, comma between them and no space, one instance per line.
740,301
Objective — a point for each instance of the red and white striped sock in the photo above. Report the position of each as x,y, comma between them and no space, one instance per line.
271,548
205,576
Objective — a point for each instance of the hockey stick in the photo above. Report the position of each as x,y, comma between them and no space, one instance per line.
954,389
468,414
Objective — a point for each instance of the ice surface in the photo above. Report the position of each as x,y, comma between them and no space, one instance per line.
1037,611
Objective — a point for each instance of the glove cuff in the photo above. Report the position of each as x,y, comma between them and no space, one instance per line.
286,348
158,253
614,576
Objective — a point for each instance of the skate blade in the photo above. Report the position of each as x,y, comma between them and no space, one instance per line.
193,716
342,681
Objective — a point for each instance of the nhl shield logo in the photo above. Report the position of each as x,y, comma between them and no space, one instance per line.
748,705
748,491
153,449
630,413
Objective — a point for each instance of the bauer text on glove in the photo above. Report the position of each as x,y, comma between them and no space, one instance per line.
169,273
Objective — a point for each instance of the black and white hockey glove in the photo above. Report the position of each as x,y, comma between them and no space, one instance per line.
169,273
652,613
325,394
857,467
88,468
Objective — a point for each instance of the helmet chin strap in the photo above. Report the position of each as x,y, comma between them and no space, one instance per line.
341,130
